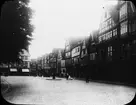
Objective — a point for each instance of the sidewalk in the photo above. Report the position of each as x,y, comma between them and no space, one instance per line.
108,82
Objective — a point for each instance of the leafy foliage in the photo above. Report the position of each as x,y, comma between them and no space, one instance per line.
15,30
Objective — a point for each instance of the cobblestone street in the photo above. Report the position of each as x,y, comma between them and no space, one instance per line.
42,90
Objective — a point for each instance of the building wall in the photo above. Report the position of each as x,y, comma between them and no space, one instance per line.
76,51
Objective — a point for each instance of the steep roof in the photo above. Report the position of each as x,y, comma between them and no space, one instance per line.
110,11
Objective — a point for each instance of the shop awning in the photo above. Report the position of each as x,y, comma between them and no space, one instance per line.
25,70
13,69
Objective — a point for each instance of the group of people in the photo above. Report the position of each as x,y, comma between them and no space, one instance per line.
68,77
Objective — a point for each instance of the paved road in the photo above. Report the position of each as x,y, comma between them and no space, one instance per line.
42,90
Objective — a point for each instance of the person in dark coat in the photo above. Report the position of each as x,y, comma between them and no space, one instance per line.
67,75
53,76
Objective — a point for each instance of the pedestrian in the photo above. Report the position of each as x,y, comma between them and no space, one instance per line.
67,75
53,76
70,78
87,78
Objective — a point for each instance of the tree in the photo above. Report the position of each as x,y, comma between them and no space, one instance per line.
15,29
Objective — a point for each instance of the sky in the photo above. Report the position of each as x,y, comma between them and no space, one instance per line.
56,20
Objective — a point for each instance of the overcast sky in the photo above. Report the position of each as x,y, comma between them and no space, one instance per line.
55,20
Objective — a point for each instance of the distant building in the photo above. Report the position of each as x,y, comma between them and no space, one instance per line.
63,68
33,66
108,33
72,55
84,56
45,63
68,60
116,47
118,25
25,57
53,60
61,63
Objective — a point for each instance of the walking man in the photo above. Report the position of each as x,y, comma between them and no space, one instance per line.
67,75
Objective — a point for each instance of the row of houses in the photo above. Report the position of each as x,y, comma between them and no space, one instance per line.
60,59
108,52
53,62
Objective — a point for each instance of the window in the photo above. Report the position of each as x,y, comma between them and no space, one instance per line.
110,51
100,39
92,56
123,12
110,34
134,26
104,37
78,49
114,32
84,51
125,50
108,23
112,23
73,50
67,54
123,27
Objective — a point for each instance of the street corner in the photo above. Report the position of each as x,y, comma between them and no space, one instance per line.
4,86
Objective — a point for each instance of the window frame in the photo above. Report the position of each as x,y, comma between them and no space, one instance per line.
110,50
123,28
92,56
